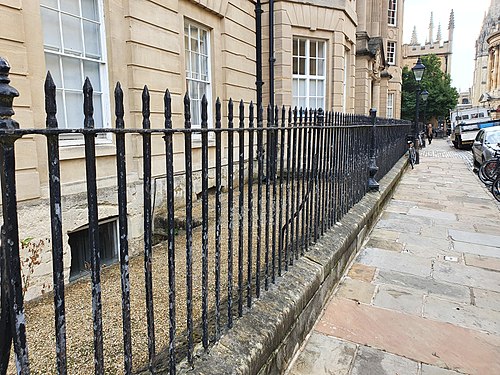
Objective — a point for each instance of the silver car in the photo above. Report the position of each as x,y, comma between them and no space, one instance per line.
485,144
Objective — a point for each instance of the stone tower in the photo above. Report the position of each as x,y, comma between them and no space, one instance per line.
431,29
414,39
432,46
489,26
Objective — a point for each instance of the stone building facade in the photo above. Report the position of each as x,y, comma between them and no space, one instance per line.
486,83
379,56
195,46
443,49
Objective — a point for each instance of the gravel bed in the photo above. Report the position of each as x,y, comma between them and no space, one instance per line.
40,313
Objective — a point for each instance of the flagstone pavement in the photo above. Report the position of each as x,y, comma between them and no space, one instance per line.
423,295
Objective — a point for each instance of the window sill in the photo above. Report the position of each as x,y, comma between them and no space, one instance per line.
196,142
72,152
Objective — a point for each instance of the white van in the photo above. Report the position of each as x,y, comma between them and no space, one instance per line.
466,123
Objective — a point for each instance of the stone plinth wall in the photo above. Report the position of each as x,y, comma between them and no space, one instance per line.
265,340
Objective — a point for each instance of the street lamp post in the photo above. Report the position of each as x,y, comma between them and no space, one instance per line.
424,94
418,72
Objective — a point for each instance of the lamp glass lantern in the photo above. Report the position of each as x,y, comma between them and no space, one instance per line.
418,70
424,95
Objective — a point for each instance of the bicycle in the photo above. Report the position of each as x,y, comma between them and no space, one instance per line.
490,169
412,154
495,188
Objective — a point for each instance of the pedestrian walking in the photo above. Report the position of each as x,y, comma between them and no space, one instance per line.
429,132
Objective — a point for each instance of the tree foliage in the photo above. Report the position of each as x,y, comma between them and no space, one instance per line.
442,97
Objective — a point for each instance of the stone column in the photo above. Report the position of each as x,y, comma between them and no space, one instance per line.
376,94
494,70
497,68
490,67
361,10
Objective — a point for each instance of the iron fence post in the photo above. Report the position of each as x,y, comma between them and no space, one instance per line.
372,165
13,323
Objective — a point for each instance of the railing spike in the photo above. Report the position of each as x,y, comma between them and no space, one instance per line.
50,102
187,111
119,111
167,103
88,104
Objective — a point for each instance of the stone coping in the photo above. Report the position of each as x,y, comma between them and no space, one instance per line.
265,339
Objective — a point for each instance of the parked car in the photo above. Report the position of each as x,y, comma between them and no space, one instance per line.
485,144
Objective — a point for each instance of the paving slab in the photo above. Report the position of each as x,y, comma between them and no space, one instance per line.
423,246
356,290
433,214
390,260
416,338
390,235
423,295
427,285
464,315
486,299
475,238
324,355
433,370
370,361
466,275
396,298
484,250
401,226
362,272
487,228
385,244
485,262
436,231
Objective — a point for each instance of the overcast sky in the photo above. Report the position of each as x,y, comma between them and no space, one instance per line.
468,21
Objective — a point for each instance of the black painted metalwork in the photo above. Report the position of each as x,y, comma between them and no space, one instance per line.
250,204
280,191
56,224
241,202
230,209
372,167
204,220
258,52
188,166
260,174
273,161
121,172
93,217
169,152
268,196
313,171
148,226
13,323
218,216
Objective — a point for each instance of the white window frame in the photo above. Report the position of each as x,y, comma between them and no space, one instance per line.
391,52
345,81
390,105
392,13
307,77
190,75
62,53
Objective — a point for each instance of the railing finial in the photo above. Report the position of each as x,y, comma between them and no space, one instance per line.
7,95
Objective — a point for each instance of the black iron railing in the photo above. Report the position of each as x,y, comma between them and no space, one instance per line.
297,172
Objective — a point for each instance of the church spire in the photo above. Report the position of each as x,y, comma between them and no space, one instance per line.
439,36
451,26
414,40
431,29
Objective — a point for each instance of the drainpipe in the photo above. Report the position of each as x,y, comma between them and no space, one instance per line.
258,53
271,54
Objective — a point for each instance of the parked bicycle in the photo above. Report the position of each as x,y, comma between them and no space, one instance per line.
412,154
490,169
489,174
495,188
